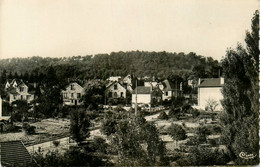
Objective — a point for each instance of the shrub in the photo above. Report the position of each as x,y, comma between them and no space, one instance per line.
177,132
174,113
163,115
195,113
56,143
28,129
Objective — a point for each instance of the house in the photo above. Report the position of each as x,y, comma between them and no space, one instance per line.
12,83
14,153
127,82
151,84
18,90
157,94
72,95
209,90
142,95
115,90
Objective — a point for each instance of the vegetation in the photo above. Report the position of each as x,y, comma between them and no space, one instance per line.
177,132
240,117
79,124
163,115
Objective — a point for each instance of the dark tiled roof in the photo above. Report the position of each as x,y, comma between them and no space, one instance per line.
14,152
210,82
143,90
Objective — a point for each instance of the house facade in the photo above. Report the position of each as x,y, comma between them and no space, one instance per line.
18,90
115,90
209,90
142,97
72,95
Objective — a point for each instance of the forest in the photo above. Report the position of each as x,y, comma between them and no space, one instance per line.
101,66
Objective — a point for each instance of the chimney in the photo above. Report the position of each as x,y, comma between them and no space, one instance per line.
221,81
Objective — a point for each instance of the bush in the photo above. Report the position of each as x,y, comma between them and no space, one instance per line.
174,113
56,143
195,113
163,115
177,132
28,129
203,156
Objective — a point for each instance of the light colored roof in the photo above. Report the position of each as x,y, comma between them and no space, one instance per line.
168,85
210,82
143,90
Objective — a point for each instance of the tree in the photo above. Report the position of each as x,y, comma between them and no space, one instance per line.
79,124
211,104
177,132
239,119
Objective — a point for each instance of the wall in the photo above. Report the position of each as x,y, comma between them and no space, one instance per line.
204,94
141,99
70,100
120,89
164,97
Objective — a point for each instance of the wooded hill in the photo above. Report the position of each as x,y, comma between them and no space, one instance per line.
139,63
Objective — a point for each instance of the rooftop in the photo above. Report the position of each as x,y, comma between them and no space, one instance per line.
143,90
211,82
14,152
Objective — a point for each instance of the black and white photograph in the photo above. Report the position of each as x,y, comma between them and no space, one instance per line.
129,83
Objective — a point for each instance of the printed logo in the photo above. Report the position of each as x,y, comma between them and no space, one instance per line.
244,155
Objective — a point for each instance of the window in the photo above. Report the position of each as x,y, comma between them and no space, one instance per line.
115,87
121,94
21,97
115,94
71,101
78,95
28,97
166,93
21,89
71,94
72,87
110,94
14,96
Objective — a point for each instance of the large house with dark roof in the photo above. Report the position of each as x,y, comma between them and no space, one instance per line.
18,90
209,89
14,153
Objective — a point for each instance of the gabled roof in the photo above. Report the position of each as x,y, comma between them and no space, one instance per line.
168,85
210,82
14,152
142,90
112,83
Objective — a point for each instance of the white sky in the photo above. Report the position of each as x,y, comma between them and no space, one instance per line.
60,28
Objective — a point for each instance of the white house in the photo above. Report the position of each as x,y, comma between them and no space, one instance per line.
18,90
209,90
143,96
72,95
116,90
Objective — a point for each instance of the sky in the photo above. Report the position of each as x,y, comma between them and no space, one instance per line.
63,28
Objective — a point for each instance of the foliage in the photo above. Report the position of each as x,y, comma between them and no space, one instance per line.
177,132
137,143
203,156
108,126
195,113
174,113
202,132
79,124
163,115
56,143
239,120
211,104
29,130
94,93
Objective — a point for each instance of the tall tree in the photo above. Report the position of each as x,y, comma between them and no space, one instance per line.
239,119
79,124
